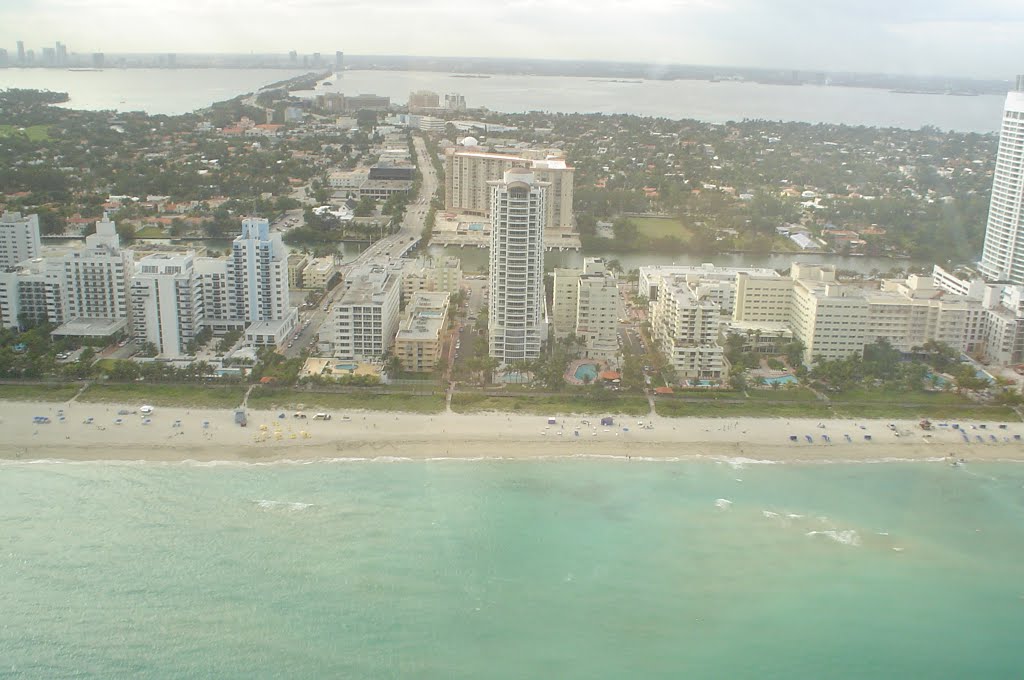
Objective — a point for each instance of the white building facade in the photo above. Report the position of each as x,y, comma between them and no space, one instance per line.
259,273
19,238
1003,256
167,303
587,305
361,325
517,325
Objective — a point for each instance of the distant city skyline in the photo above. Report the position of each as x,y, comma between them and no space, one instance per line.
917,37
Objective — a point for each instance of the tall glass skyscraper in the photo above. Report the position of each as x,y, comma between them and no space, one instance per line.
1003,256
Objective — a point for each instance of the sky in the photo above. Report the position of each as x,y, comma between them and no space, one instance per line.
979,38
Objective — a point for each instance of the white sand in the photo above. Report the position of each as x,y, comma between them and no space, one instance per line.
499,435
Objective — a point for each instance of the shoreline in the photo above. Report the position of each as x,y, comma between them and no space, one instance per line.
90,432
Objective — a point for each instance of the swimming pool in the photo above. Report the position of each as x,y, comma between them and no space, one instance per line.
781,380
586,372
346,367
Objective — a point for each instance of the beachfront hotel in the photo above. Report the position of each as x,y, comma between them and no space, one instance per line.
516,317
1002,259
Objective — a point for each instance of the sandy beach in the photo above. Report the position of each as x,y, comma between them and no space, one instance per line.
80,431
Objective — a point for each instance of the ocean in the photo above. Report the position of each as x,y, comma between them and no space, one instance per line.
175,91
561,568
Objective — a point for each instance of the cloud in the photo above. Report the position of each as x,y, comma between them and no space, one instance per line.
924,36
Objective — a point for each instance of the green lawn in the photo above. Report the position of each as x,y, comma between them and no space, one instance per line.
186,396
568,404
677,408
61,392
150,232
660,227
802,403
35,133
290,400
782,394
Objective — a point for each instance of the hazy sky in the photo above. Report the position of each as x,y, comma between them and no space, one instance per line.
978,38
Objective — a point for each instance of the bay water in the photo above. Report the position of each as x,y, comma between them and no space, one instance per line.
559,568
176,91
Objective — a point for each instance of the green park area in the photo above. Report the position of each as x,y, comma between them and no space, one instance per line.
34,133
653,228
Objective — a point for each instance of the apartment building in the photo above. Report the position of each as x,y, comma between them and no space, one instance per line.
96,278
259,273
19,238
468,174
1002,258
361,325
33,292
216,284
167,302
296,263
586,304
685,326
420,337
319,273
517,320
431,274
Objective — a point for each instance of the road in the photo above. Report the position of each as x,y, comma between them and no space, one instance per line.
393,245
415,214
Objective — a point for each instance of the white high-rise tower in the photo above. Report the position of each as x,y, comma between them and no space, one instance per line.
259,270
516,318
1003,256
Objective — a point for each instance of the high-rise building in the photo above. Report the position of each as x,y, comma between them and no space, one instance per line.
96,277
424,99
685,326
259,269
60,54
1003,256
167,302
468,172
454,102
19,238
361,325
98,60
339,62
21,51
517,319
32,293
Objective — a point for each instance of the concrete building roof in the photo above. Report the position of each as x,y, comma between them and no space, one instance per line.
91,328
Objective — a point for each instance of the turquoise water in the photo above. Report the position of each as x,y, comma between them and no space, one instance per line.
586,372
546,569
781,380
345,367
